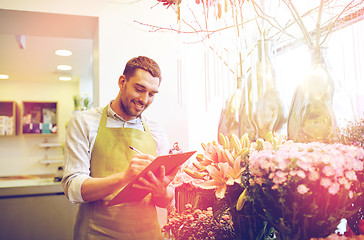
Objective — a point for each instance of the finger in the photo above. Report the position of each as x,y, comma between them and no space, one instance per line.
142,183
162,172
139,186
152,178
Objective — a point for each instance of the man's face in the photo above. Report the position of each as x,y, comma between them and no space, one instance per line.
137,93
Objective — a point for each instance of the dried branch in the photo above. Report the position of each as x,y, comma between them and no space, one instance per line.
209,32
277,26
299,21
318,23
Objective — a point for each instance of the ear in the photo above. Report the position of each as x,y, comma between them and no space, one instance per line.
122,80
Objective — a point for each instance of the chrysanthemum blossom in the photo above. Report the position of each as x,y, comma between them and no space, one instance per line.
334,166
302,189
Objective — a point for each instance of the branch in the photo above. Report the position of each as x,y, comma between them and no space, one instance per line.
278,27
318,24
158,28
299,21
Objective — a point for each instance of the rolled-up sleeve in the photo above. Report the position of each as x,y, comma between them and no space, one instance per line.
77,153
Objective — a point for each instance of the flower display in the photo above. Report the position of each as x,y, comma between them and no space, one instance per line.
276,189
224,163
305,188
219,177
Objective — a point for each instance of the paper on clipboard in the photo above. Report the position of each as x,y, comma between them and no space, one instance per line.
131,194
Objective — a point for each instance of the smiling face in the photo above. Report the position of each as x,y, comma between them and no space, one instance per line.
136,94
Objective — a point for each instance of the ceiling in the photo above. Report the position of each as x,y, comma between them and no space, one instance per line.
44,33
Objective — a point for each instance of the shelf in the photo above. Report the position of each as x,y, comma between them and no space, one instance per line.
50,145
51,161
8,118
39,118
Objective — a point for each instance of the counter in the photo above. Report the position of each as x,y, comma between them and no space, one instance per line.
35,208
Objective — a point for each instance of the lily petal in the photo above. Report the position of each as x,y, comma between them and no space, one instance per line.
210,184
214,172
220,191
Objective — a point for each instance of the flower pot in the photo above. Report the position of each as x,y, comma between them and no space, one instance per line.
263,108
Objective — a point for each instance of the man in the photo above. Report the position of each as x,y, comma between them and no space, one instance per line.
99,161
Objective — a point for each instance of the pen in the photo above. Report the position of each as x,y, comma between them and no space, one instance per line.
136,150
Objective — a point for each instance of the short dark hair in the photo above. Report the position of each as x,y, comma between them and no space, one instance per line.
144,63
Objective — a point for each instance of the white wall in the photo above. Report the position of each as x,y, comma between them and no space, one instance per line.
21,155
122,39
180,105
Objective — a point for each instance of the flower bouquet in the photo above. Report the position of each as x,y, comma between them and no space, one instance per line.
305,188
222,170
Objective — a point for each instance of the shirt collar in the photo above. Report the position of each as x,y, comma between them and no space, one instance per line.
113,114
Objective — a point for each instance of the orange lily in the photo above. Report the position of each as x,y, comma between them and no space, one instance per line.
220,178
236,171
213,152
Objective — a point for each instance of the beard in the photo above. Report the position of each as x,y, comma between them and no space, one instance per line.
129,108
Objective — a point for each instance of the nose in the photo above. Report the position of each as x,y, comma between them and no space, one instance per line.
143,98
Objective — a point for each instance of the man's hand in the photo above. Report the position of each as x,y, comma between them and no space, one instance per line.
137,164
94,189
158,184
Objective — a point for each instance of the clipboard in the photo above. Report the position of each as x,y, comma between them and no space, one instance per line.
131,194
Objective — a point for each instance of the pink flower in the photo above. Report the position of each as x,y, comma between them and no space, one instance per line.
280,177
328,171
334,188
325,182
313,176
301,174
267,145
350,175
302,189
344,182
293,173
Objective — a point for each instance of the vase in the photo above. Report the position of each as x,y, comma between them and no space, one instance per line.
311,116
197,197
229,117
263,109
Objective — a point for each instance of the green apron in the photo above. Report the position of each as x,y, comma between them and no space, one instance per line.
111,154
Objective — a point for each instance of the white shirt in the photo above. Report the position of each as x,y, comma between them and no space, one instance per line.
80,139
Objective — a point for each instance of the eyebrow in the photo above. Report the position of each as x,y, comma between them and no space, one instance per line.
142,86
